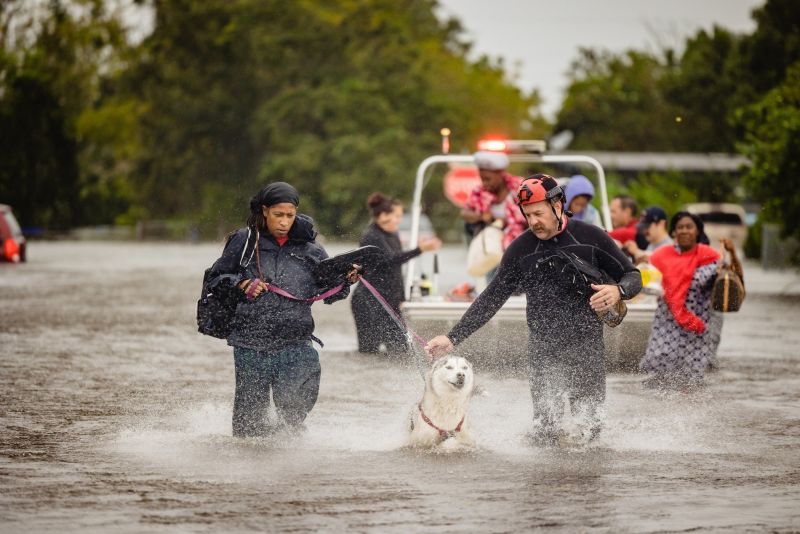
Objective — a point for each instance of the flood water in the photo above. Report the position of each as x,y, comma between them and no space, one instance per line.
115,417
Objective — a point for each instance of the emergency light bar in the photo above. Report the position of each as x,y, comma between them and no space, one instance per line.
516,146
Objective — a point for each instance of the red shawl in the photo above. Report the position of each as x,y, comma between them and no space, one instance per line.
678,270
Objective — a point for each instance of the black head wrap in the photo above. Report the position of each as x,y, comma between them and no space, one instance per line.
274,193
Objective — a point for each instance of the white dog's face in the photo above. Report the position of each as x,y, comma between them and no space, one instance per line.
451,374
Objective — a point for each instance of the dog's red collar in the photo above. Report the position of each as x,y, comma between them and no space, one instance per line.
442,432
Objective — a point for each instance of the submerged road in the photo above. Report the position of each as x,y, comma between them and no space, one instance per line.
115,417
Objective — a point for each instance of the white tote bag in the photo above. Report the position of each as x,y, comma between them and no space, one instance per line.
485,250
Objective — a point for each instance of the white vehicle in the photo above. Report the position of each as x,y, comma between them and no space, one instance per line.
722,220
502,342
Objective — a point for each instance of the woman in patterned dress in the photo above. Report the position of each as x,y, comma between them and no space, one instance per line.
682,343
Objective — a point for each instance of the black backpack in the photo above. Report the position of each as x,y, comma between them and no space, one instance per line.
217,304
589,274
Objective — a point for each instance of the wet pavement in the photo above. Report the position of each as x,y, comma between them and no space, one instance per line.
115,417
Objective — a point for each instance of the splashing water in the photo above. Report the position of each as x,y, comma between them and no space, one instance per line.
116,418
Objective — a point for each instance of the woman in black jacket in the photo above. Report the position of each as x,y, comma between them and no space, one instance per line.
272,333
373,325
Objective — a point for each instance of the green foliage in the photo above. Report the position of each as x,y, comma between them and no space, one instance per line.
615,102
668,190
680,102
52,66
346,97
754,241
724,92
770,50
772,142
643,102
700,88
340,99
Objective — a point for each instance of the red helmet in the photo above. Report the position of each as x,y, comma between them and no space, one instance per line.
537,188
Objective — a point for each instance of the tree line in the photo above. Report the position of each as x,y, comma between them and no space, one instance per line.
342,98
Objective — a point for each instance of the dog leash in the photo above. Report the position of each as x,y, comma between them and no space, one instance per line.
282,292
322,296
250,292
411,336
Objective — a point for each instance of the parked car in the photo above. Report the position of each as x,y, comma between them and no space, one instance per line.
722,220
12,242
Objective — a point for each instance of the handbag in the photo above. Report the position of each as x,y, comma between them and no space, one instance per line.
485,250
728,291
216,307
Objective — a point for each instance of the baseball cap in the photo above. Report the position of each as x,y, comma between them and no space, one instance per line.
651,215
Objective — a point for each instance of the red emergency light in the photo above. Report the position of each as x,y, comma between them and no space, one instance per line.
493,145
513,146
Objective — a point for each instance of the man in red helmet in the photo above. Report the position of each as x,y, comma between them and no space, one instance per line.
549,263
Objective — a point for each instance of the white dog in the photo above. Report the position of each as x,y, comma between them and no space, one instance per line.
439,418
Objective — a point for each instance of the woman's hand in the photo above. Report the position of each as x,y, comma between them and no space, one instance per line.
253,287
605,298
430,244
727,244
354,274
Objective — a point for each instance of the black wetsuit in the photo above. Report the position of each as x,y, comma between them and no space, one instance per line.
565,338
373,325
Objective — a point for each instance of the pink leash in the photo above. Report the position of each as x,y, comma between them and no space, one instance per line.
388,307
383,302
278,291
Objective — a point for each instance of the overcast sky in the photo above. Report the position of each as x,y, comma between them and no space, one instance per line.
539,38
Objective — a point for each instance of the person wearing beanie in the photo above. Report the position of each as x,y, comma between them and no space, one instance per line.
272,334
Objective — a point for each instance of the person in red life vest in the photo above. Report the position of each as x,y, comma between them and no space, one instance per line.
272,333
624,211
565,331
683,343
494,198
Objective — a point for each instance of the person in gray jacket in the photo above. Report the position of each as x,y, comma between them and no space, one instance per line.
273,328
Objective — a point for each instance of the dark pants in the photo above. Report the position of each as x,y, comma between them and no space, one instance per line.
291,374
561,377
374,325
